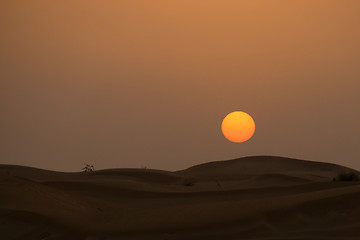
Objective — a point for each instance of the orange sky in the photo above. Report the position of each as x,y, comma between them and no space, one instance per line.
147,83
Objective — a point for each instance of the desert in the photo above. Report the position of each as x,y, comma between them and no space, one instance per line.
258,197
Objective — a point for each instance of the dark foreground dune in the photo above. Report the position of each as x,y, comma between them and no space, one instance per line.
247,198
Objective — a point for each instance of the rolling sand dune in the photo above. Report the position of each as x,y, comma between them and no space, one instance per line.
248,198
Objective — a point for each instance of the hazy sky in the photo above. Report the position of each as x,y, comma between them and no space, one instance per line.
147,83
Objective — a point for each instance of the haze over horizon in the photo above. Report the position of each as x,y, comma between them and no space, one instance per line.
147,83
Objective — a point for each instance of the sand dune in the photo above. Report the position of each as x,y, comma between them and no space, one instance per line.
248,198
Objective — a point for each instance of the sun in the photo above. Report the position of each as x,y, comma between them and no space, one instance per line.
238,127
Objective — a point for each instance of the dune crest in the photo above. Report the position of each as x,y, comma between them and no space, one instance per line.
258,197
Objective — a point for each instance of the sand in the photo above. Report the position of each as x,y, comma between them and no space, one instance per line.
248,198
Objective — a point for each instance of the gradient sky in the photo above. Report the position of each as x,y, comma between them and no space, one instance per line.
147,83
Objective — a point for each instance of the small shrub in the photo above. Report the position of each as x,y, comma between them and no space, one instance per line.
88,168
347,177
188,183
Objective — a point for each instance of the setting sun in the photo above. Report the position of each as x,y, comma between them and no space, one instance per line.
238,126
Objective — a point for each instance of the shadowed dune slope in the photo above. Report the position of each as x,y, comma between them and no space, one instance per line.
247,198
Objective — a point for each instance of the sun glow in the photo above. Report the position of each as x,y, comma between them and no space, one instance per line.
238,126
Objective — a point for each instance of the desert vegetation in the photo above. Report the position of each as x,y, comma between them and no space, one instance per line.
88,168
188,183
347,177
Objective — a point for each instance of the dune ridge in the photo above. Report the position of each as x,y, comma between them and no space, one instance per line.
260,197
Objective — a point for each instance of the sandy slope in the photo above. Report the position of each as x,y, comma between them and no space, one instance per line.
247,198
